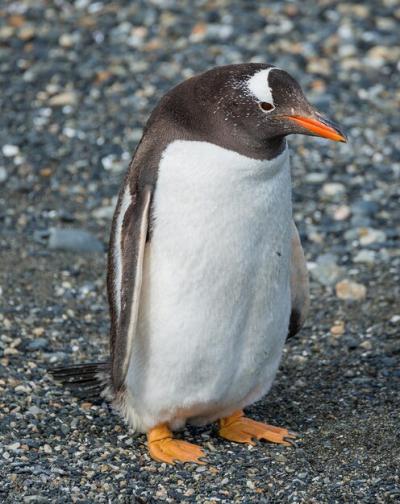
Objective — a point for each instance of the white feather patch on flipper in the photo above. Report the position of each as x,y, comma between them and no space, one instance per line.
126,201
134,309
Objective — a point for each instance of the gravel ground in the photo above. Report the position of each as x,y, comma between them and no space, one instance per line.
78,80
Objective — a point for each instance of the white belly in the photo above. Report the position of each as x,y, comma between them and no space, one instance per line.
215,299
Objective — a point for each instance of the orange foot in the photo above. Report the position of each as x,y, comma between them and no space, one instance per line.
244,430
164,448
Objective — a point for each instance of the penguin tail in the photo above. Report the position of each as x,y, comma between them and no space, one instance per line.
86,381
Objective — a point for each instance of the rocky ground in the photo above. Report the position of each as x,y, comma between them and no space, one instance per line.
78,80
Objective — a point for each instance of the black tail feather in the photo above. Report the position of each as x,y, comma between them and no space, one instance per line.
86,381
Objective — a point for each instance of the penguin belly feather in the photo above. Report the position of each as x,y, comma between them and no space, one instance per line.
215,299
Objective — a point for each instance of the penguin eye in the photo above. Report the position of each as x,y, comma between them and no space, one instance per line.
267,107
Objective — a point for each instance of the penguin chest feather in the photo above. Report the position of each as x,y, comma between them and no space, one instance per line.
215,299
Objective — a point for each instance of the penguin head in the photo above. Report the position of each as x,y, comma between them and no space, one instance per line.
280,108
250,108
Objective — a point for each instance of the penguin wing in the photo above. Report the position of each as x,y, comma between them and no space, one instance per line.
299,285
127,247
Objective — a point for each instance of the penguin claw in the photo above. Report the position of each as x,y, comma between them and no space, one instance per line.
240,429
164,448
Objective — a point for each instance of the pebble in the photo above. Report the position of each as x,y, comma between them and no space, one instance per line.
26,33
13,446
61,99
362,207
10,150
77,240
337,329
365,256
113,163
350,291
316,177
333,189
3,174
67,40
326,271
37,344
34,410
343,212
369,235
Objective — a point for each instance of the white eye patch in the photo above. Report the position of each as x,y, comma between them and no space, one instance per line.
258,86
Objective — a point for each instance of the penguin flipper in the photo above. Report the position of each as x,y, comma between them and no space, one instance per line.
299,285
128,240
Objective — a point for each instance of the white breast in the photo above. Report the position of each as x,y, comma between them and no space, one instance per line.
215,299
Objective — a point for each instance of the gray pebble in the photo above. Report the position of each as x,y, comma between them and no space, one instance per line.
326,270
37,344
3,174
77,240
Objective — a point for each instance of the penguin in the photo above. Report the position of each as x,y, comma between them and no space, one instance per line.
206,271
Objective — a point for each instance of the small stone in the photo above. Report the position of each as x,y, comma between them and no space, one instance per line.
395,319
26,33
250,484
61,99
338,328
113,163
369,235
316,177
350,291
13,446
6,32
162,493
199,31
23,389
66,40
326,271
3,174
46,172
37,344
38,331
47,448
16,20
364,208
365,256
77,240
342,213
367,345
10,150
34,410
10,351
333,189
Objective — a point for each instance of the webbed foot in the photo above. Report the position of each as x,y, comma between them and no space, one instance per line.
240,429
164,448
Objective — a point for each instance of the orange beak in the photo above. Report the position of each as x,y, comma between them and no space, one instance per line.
319,127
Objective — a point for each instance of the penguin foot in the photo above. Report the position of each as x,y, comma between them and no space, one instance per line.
240,429
164,448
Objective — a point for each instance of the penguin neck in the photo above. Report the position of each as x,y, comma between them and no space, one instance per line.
256,149
240,142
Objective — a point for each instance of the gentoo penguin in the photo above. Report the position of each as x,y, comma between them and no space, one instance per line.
206,273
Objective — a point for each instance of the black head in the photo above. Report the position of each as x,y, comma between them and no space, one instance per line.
249,108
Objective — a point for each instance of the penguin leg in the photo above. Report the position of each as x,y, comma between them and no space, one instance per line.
240,429
164,448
